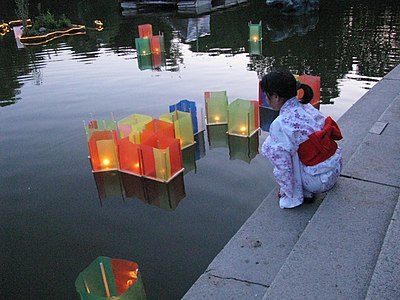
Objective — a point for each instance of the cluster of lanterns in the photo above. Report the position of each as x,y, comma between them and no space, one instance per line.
143,146
150,48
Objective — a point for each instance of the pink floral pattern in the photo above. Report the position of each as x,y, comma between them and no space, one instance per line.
294,124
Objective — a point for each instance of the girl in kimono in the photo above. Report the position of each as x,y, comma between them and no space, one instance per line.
301,145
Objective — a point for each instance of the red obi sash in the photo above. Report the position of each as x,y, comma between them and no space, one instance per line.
321,144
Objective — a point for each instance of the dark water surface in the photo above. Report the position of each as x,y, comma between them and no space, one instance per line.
52,222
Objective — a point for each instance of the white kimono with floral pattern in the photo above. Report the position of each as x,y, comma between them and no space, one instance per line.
296,121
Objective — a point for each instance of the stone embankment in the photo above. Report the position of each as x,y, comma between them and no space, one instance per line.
344,246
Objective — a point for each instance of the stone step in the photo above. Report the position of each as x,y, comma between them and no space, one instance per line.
336,254
385,279
249,262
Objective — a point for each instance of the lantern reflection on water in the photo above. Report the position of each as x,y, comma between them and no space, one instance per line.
216,107
108,184
107,278
243,148
243,117
200,146
255,38
145,30
217,137
189,159
183,126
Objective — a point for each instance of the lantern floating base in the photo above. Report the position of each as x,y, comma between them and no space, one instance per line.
189,145
103,170
243,135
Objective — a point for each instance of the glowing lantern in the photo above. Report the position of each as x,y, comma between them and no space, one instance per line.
145,30
243,117
183,126
216,107
255,46
267,116
103,151
243,148
165,195
107,278
217,137
315,83
189,107
161,157
157,126
129,155
157,50
133,126
108,184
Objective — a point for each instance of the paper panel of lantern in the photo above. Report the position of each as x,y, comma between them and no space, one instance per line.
216,107
243,148
255,37
183,126
103,151
189,107
243,117
158,126
162,157
315,83
132,126
130,157
95,125
107,278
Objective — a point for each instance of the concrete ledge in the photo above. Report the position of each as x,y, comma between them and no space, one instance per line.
385,281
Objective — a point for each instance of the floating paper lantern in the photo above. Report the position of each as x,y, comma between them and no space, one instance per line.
107,278
255,37
129,155
315,83
243,117
217,137
158,126
243,148
165,195
145,30
189,107
103,151
108,184
216,107
162,157
267,116
183,126
157,50
132,126
103,125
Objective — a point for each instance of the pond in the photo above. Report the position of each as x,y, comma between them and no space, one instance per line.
57,217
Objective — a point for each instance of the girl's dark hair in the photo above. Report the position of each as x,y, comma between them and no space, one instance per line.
283,84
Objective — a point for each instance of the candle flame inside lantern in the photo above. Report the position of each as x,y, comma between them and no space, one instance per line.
106,161
243,129
144,52
137,165
255,39
157,50
216,118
